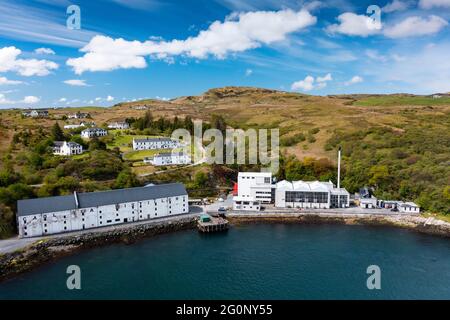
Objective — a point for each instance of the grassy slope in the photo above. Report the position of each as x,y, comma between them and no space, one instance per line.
291,113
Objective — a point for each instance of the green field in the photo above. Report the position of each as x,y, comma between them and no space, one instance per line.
140,155
389,101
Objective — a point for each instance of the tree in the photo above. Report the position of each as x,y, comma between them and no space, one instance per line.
200,179
57,133
96,144
218,122
126,179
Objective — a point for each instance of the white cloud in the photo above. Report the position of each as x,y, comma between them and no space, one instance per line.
32,23
44,51
239,32
327,77
9,62
415,26
98,99
429,4
248,72
5,81
76,82
353,80
62,100
309,83
353,25
31,100
109,98
306,84
375,55
4,100
423,70
396,5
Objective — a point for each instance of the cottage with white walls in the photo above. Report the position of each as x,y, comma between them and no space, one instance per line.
74,126
64,148
408,207
154,143
36,113
119,125
79,115
168,158
80,211
93,132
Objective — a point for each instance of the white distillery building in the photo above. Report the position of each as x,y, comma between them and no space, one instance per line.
310,194
119,125
93,132
43,216
254,188
154,143
64,148
168,158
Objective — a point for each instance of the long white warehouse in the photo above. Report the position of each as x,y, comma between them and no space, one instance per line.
314,194
43,216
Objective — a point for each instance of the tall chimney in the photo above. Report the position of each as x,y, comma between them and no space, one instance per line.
75,195
339,169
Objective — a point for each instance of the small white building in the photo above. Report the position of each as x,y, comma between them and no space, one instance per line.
64,148
78,115
253,188
409,207
168,158
36,113
93,132
310,195
74,126
368,203
44,216
154,143
119,125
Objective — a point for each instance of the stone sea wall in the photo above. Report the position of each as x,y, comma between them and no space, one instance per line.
46,250
417,223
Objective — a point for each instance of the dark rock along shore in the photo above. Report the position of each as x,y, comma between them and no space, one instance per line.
46,250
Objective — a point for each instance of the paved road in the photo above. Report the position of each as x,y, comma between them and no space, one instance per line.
16,243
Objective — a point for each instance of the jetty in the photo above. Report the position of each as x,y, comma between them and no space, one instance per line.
207,224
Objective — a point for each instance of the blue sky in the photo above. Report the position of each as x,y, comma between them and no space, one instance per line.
134,49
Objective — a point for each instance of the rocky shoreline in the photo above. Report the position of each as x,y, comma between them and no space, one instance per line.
46,250
420,224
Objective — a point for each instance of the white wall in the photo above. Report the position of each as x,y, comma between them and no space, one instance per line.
86,218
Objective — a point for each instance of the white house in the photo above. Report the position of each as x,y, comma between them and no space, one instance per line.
310,194
36,113
74,126
64,148
368,203
168,158
253,188
93,132
408,207
78,115
119,125
43,216
154,143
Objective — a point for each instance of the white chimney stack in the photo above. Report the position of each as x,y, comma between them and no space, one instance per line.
75,195
339,169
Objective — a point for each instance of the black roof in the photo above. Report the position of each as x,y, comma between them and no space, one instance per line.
101,198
